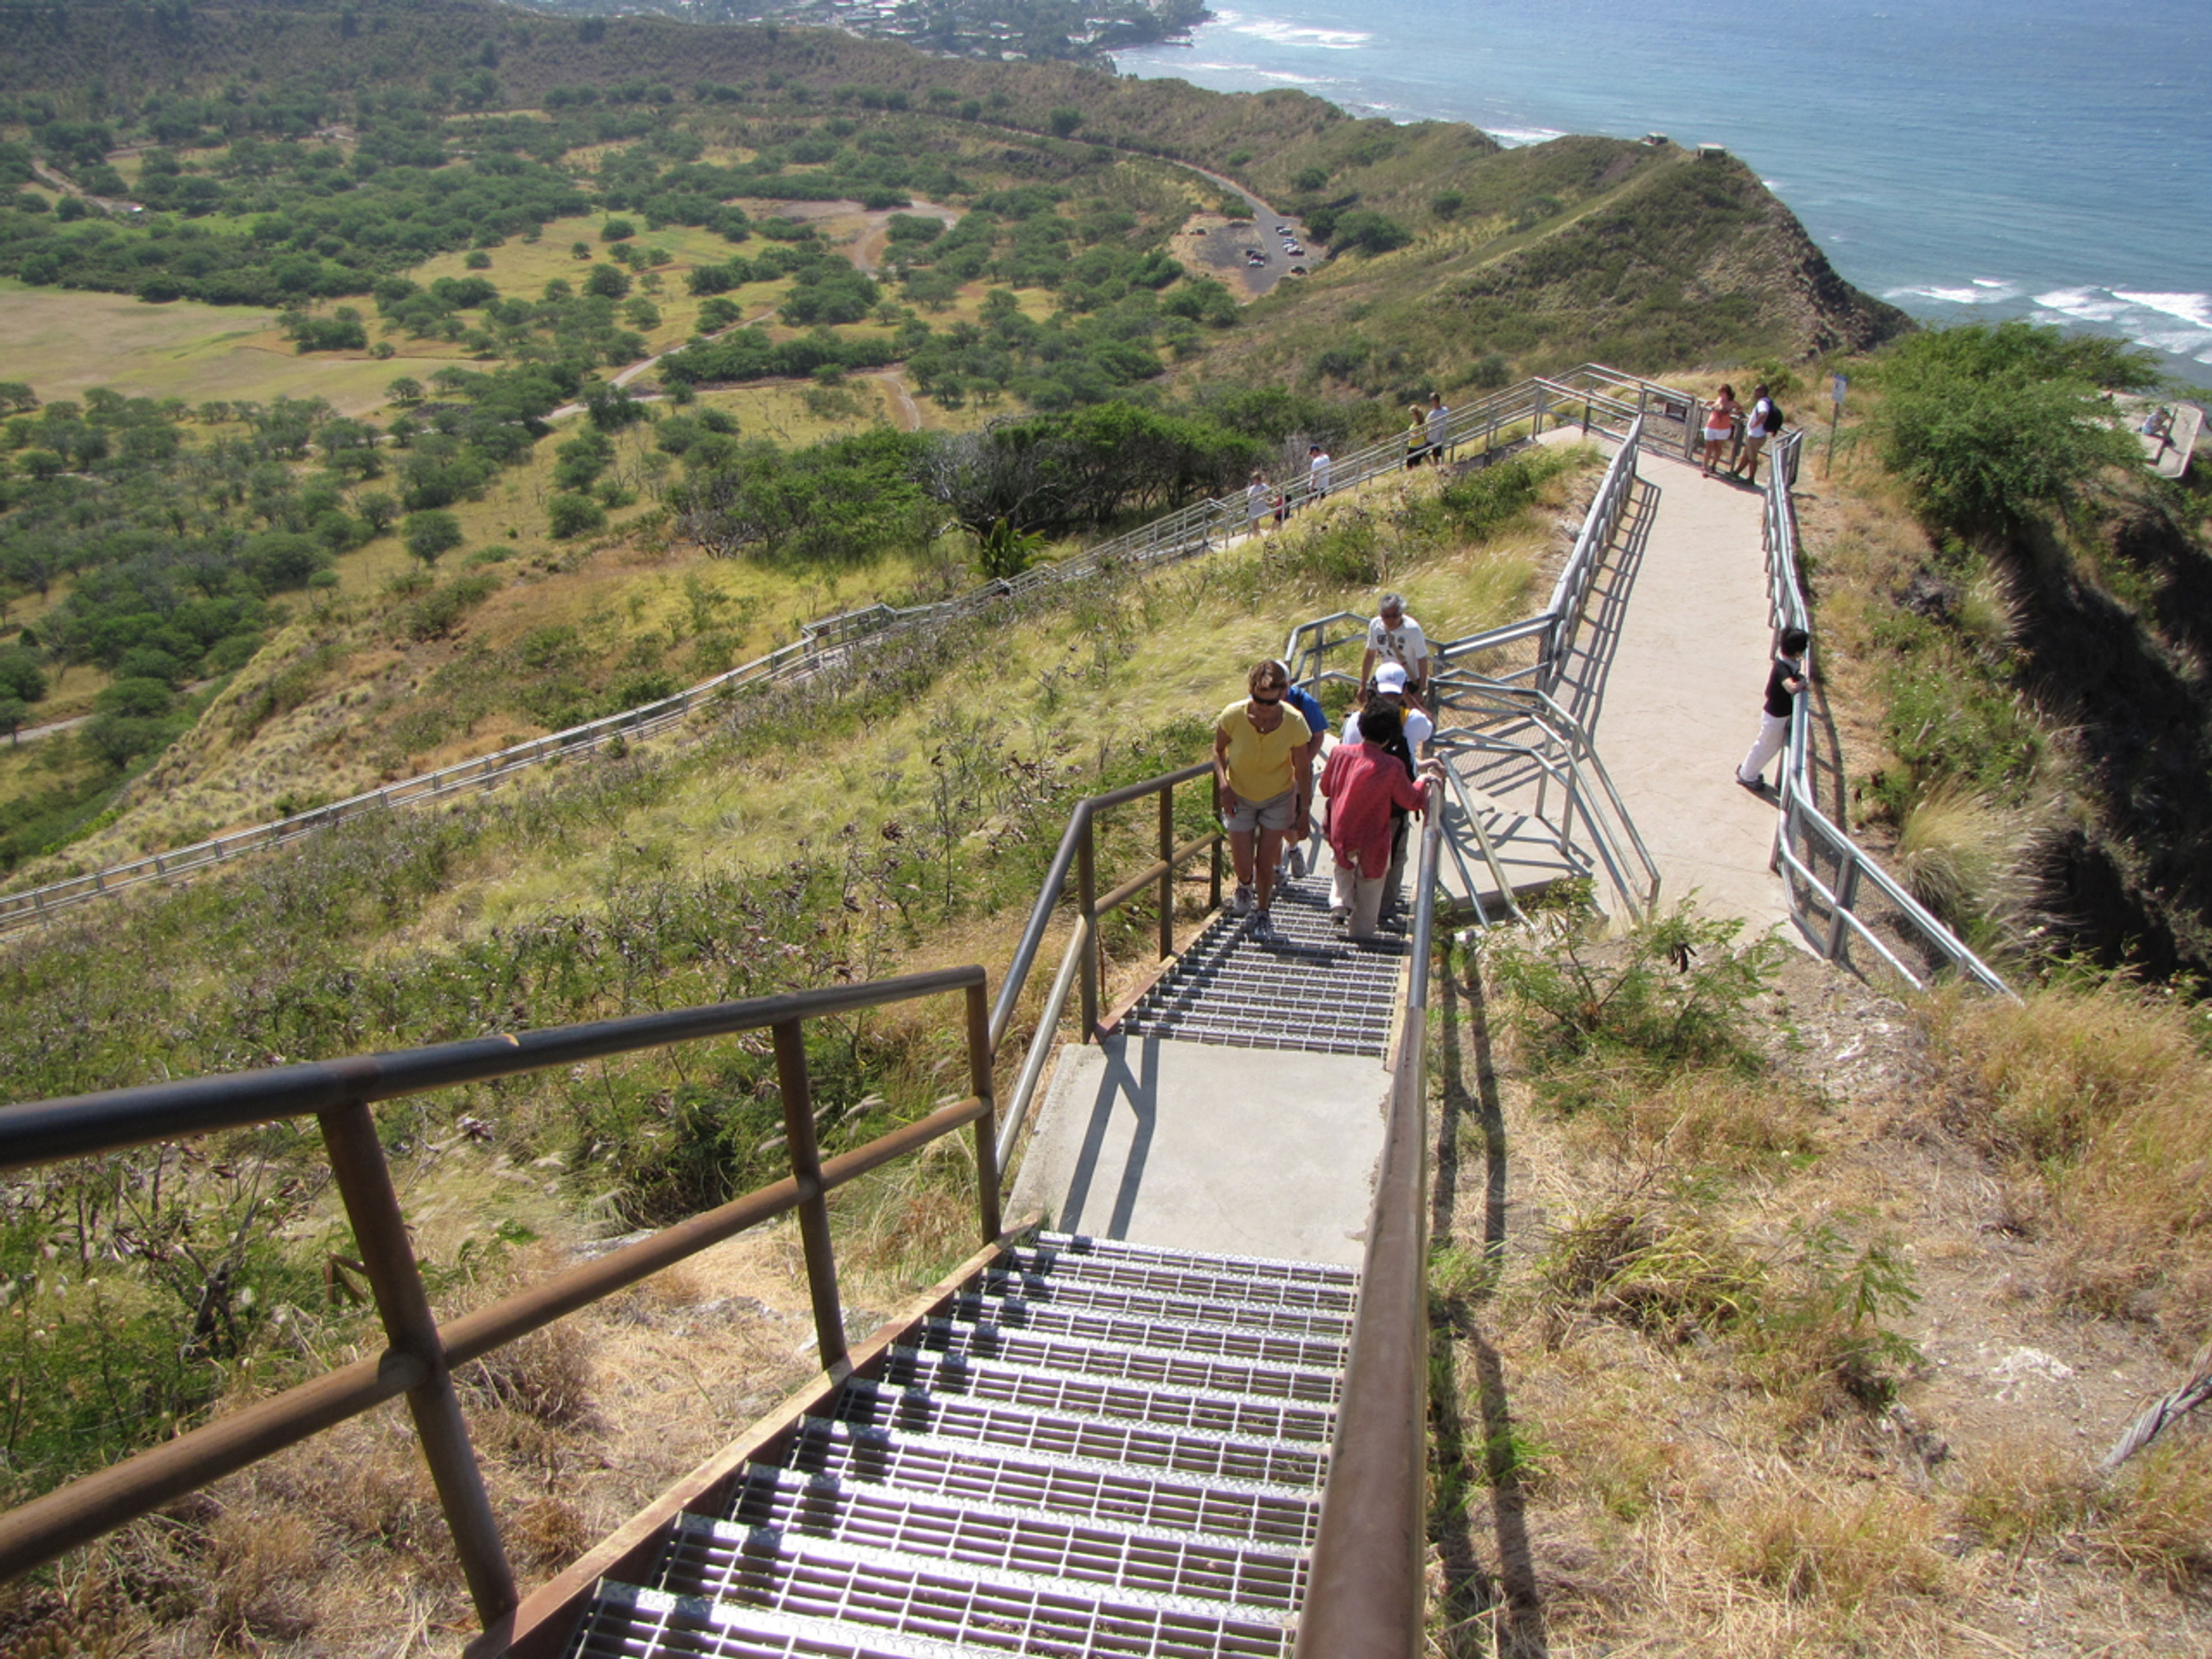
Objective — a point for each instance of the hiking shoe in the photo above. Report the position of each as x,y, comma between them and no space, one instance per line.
1757,786
1295,861
1339,914
1262,926
1240,903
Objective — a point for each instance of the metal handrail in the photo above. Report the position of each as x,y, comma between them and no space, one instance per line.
1801,821
1077,853
1566,755
1366,1582
421,1355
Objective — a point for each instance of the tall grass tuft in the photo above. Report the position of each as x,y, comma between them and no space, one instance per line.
2101,1096
1972,861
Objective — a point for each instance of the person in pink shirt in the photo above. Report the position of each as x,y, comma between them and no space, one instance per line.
1362,781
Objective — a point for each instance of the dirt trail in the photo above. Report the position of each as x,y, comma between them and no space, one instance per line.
909,411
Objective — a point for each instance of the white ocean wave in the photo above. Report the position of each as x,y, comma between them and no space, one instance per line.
2175,342
2082,304
1972,294
1282,33
1289,79
2189,307
1515,137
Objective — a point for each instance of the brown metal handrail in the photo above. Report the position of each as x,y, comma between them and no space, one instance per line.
419,1360
1365,1586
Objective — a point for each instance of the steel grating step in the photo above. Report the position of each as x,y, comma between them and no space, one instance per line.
1237,1417
1006,1612
1101,1297
1286,1338
622,1622
1185,1279
1137,1445
1134,1498
1121,1460
1044,1353
1113,1557
1061,1246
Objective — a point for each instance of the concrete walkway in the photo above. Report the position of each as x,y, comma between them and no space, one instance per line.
1268,1153
1677,704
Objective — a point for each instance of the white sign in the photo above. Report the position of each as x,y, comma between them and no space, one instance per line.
1838,385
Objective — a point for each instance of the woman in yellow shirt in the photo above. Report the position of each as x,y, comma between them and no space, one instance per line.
1263,763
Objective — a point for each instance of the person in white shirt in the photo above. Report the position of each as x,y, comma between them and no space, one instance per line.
1316,473
1439,419
1388,686
1256,502
1393,636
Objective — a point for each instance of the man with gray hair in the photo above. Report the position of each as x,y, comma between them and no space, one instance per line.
1393,636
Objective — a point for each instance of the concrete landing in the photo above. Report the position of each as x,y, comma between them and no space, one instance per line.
1678,705
1247,1151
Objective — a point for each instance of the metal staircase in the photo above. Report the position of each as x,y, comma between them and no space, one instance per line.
1092,1448
1301,984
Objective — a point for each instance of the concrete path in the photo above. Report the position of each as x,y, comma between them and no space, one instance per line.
1674,701
1244,1151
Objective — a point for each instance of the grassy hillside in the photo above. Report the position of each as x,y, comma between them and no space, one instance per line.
1580,250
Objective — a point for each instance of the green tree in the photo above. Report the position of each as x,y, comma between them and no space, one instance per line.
574,515
1989,427
20,675
14,711
430,535
379,511
1064,122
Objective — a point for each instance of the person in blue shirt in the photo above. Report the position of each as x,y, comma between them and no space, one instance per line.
1294,853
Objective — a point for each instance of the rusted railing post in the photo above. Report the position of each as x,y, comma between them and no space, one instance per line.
813,1207
987,1127
381,1233
1086,904
1213,866
1167,875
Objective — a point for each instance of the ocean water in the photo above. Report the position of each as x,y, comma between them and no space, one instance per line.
1963,159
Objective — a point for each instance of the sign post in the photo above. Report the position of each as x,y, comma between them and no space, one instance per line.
1838,385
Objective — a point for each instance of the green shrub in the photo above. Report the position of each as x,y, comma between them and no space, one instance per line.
1670,998
1989,428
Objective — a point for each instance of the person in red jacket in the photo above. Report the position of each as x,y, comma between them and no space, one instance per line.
1362,781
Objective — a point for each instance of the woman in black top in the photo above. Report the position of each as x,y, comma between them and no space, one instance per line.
1784,681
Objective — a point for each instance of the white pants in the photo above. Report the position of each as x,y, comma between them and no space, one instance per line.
1363,896
1773,732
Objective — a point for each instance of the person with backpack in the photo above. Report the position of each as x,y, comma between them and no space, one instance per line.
1764,423
1369,786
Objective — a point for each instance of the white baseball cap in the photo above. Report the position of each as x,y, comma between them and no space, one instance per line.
1390,677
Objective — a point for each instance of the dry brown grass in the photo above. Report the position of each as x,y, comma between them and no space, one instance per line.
2100,1099
2158,1519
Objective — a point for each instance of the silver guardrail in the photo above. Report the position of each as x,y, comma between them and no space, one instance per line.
1824,871
1517,727
1594,397
1534,650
